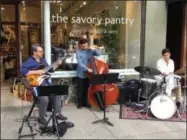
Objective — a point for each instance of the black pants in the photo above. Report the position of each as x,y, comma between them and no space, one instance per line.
82,88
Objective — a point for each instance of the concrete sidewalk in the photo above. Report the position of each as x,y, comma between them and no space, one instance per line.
12,110
84,129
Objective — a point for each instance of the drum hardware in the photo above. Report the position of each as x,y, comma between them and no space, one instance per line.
185,88
163,86
129,103
139,92
183,73
135,104
147,101
146,71
149,85
177,81
147,107
160,105
164,98
177,78
177,84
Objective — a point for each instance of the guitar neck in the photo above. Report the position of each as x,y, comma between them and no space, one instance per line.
48,68
51,66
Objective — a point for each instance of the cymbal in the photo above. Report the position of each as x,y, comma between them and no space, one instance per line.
182,76
180,71
147,70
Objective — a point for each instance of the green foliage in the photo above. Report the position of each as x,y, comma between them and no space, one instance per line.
110,38
109,35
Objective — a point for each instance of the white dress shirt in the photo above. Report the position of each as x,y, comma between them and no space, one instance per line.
163,67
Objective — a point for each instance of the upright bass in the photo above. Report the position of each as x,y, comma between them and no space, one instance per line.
95,92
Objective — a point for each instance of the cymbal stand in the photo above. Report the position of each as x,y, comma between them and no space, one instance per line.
163,86
185,88
163,91
146,109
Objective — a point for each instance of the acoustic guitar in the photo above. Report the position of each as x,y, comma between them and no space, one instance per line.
34,80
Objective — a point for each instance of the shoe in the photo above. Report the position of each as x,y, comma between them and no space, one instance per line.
79,106
42,121
61,117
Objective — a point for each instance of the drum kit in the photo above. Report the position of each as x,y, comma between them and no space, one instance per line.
157,102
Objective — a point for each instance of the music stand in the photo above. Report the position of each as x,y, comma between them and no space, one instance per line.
52,91
98,79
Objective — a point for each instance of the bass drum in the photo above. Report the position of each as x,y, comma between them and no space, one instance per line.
163,107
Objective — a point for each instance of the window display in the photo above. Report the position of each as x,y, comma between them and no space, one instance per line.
8,50
111,26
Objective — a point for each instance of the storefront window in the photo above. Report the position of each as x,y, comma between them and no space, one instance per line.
133,11
30,16
112,26
8,48
8,44
8,13
30,11
30,34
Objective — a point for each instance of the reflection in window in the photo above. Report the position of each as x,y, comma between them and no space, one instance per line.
8,13
117,33
8,50
30,11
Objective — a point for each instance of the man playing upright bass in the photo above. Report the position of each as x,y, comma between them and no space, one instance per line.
83,55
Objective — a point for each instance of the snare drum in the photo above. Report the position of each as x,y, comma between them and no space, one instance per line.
147,86
163,107
173,81
159,79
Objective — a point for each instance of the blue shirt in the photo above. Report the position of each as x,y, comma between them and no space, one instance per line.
82,60
32,64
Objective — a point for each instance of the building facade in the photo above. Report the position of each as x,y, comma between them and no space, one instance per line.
130,33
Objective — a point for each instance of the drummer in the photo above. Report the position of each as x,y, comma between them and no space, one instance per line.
166,66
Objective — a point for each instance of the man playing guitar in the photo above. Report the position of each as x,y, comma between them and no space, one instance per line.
166,66
29,68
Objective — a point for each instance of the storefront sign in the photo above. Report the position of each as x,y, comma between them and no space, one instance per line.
57,18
